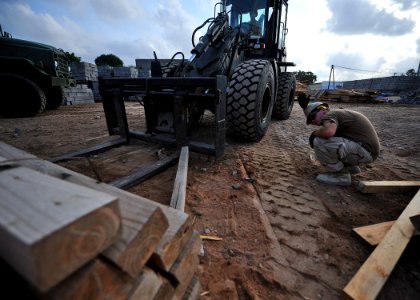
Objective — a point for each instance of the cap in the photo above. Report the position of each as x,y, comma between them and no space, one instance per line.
312,109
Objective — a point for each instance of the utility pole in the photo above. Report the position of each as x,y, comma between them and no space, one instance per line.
418,70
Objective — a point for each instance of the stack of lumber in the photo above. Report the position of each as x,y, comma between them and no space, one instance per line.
301,88
71,237
347,96
390,239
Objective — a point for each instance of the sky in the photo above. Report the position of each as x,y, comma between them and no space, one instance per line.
361,38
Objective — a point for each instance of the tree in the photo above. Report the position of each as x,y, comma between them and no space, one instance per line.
108,60
305,77
411,72
72,57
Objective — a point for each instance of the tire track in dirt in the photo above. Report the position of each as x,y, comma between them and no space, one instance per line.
313,229
295,212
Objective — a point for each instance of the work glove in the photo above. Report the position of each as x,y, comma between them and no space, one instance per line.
311,139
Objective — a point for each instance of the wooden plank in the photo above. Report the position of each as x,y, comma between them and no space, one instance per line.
388,186
193,291
143,228
187,262
148,285
180,224
180,185
49,228
175,238
166,291
96,281
372,275
373,234
183,269
186,265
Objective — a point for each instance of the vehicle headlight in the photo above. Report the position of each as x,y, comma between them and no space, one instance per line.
56,64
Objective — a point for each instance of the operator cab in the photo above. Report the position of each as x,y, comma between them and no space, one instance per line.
263,23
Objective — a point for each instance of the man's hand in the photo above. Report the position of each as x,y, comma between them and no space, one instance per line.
311,139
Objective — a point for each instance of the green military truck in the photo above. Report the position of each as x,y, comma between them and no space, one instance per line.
32,77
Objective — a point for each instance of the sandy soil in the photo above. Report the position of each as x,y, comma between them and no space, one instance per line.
285,236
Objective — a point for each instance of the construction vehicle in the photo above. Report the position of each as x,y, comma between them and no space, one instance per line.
237,71
32,77
248,54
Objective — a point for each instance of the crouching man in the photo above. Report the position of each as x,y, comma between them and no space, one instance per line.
345,140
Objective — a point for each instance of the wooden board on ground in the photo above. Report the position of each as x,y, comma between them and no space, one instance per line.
49,228
388,186
180,224
180,184
373,234
372,275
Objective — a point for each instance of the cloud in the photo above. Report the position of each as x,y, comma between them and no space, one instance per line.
408,4
175,28
117,11
351,17
354,65
403,66
418,46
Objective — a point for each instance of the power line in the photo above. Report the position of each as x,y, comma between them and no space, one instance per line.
356,69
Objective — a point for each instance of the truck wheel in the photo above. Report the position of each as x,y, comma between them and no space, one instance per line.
285,96
55,97
24,97
249,100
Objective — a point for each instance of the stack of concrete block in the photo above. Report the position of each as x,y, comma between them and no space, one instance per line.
130,72
105,71
78,95
84,71
87,75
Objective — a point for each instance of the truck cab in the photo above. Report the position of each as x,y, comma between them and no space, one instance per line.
32,76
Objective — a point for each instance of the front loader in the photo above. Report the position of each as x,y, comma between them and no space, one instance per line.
237,71
244,46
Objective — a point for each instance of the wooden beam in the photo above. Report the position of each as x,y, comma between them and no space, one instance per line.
49,228
143,227
175,238
372,275
388,186
193,290
180,224
148,285
96,281
180,185
185,265
183,270
373,234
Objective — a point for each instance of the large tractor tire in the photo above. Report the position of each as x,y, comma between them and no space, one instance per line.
55,97
250,99
285,96
21,97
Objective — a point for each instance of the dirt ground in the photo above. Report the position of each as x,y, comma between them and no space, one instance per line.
285,236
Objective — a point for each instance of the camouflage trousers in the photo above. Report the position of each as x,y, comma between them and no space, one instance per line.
335,153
